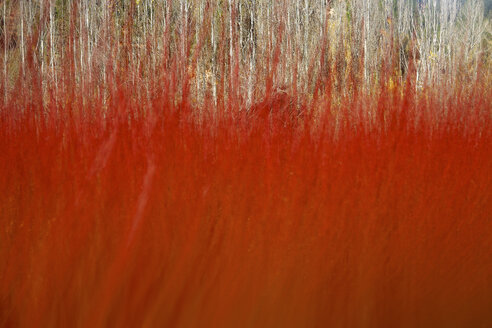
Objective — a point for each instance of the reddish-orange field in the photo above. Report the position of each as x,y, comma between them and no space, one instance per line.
177,217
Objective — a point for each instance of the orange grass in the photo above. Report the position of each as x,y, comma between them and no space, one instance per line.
356,211
161,218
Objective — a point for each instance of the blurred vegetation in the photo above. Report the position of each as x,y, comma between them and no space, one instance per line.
239,39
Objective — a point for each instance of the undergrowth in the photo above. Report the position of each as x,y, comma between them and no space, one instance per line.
368,208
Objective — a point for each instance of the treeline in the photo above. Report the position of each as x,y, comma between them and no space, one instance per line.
245,48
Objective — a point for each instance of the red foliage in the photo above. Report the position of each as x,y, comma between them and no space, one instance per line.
132,218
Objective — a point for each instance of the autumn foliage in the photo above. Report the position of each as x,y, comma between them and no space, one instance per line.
362,208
